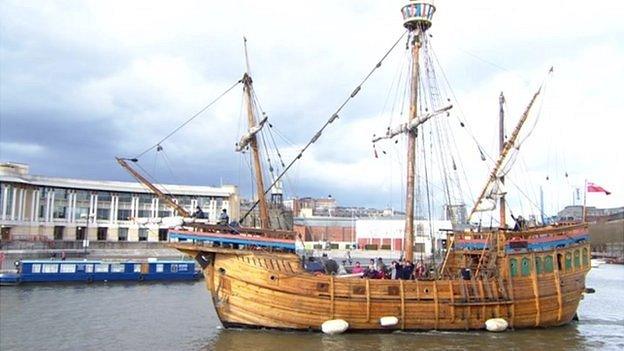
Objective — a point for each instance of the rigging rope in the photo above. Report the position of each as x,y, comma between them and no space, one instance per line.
189,120
331,119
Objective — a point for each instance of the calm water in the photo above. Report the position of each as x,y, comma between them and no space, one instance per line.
180,317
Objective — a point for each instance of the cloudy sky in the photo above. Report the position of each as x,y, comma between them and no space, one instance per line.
83,82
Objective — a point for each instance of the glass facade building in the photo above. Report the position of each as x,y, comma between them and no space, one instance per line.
52,208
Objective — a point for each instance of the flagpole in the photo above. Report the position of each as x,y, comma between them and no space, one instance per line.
585,202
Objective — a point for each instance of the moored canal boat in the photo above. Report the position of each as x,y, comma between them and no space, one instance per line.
48,271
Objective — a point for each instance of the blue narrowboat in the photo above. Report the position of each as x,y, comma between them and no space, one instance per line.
31,271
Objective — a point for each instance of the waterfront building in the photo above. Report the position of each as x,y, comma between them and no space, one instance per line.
368,233
51,208
296,205
575,213
326,232
387,233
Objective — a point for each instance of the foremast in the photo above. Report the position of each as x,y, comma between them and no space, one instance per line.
417,19
254,128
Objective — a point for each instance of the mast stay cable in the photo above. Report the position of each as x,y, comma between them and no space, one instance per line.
189,120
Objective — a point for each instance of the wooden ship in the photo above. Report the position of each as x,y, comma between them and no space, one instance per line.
532,277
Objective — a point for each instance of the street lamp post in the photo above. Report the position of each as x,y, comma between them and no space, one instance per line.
85,240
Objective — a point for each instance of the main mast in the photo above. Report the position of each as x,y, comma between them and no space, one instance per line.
253,144
417,19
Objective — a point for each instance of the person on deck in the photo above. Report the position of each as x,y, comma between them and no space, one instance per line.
395,271
380,266
199,214
371,265
408,271
520,223
371,271
357,268
224,219
419,271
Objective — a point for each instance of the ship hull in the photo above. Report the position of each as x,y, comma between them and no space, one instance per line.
267,290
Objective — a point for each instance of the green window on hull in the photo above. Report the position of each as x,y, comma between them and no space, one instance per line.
577,259
526,267
513,267
538,265
548,264
585,257
568,261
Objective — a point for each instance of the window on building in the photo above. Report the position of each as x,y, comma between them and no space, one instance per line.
5,233
104,196
143,234
124,215
59,211
162,234
164,213
122,234
144,213
103,213
102,233
58,232
420,229
82,213
80,233
419,247
82,195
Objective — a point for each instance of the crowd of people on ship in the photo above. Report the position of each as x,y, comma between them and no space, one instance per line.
376,269
398,269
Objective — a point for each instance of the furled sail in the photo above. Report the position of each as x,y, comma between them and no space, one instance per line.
246,138
494,192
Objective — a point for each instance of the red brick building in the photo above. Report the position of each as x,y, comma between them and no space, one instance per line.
331,229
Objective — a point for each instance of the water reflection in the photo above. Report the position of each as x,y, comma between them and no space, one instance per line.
567,337
181,317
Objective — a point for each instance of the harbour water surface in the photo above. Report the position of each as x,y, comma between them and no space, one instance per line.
180,316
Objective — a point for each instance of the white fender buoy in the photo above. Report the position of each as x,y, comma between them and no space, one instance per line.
496,324
334,326
388,321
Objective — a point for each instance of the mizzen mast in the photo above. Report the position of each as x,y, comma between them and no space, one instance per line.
510,144
254,128
417,19
501,142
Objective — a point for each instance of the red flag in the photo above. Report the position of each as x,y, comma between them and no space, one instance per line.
594,188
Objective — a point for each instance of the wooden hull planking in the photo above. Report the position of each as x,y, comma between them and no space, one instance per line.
266,290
